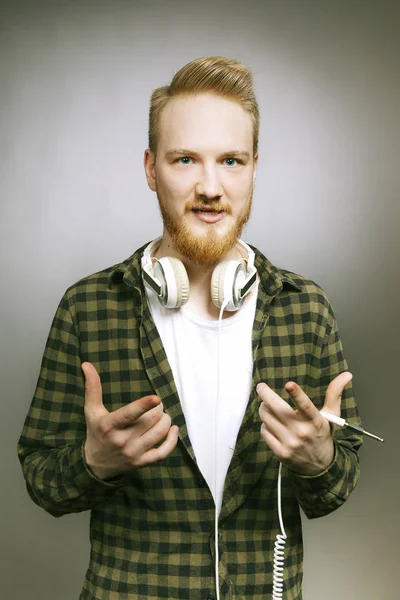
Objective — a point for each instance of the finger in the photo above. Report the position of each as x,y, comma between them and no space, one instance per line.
93,391
157,433
301,401
155,454
274,403
333,396
148,420
129,414
281,432
273,443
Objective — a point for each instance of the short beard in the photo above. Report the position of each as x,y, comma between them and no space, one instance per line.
205,251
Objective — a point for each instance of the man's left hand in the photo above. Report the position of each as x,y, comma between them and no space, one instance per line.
301,439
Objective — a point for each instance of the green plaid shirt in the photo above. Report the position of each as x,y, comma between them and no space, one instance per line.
152,530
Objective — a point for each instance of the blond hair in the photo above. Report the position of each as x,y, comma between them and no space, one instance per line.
210,74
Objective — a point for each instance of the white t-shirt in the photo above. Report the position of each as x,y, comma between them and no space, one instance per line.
191,346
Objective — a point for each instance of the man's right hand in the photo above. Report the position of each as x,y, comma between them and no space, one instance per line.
119,441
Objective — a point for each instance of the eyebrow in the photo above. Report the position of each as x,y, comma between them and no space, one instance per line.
186,152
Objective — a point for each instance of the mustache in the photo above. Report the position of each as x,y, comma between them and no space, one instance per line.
215,205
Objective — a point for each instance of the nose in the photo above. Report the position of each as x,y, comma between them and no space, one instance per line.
209,185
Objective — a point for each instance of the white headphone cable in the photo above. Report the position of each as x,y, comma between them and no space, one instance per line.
221,312
279,547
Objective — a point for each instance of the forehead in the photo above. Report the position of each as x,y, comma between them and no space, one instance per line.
204,122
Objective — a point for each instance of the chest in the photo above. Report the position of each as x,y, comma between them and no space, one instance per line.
131,359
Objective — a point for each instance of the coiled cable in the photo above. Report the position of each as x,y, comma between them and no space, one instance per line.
279,548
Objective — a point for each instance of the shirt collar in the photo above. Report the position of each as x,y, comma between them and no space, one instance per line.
128,272
272,278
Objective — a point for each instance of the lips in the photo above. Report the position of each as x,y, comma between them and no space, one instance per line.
207,208
207,214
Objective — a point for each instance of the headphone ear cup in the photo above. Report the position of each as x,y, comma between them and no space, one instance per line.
217,284
225,283
182,281
176,282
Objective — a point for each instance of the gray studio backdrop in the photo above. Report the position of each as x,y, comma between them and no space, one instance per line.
74,90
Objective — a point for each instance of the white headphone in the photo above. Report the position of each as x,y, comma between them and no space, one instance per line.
231,280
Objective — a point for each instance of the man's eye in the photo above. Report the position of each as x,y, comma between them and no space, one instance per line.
230,162
184,160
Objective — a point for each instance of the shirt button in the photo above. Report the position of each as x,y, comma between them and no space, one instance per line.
201,481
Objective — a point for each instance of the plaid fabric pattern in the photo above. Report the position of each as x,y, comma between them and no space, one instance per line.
152,530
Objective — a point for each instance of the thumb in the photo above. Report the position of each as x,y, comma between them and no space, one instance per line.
333,396
93,391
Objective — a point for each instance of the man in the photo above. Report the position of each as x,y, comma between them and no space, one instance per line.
167,395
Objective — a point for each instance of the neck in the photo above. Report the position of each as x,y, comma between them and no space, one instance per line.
199,278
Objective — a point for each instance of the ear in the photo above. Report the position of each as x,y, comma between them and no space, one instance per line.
149,167
255,161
